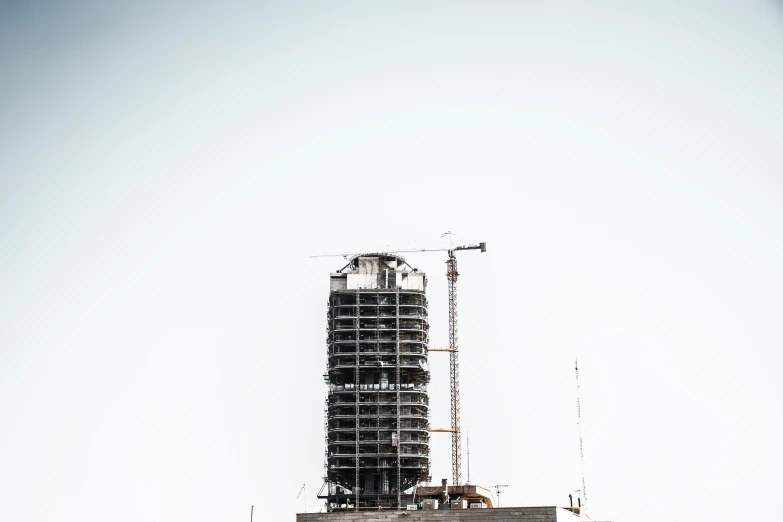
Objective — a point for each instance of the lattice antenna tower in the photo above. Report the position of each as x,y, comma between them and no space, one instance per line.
579,425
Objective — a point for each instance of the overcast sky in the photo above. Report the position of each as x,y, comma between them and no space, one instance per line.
166,169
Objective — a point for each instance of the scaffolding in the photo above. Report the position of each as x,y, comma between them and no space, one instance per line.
377,406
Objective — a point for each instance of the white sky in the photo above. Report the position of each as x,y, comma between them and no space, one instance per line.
165,171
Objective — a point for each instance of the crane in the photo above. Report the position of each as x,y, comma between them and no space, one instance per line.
456,434
453,349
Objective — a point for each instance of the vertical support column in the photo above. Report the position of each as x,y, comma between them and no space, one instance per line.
379,462
356,381
456,437
398,383
329,350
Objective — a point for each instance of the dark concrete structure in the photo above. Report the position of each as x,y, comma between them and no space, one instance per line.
377,407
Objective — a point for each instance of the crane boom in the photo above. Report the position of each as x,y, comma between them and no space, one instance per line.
478,246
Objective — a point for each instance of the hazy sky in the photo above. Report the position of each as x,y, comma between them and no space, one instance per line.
167,168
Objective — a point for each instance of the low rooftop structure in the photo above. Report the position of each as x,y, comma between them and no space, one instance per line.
472,496
521,514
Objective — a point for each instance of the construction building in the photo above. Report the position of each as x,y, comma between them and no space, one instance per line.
377,417
377,407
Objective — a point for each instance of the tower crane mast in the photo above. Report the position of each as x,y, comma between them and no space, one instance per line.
456,433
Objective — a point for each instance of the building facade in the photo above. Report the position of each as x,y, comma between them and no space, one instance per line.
377,407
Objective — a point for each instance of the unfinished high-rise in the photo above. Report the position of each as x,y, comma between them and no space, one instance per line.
377,407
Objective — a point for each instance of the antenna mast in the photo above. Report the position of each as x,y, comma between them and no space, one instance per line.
579,425
468,458
303,489
498,487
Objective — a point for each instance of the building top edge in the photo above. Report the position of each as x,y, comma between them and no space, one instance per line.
379,290
386,257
